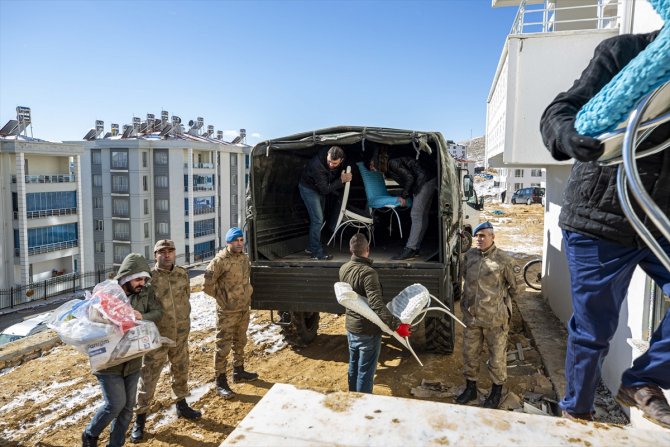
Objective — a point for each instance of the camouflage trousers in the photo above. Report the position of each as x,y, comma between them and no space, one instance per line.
152,366
231,333
496,342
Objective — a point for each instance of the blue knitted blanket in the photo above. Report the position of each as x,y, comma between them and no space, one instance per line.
646,72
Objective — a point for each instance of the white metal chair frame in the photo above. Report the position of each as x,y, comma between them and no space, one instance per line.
348,218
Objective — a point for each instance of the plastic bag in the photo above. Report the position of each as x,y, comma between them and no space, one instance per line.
110,305
116,348
70,321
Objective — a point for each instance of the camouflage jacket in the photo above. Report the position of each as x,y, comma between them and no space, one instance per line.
173,290
490,285
227,280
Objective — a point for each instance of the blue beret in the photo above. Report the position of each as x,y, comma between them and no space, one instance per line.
233,234
482,226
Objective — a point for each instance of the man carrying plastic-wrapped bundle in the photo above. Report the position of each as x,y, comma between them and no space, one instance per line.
363,336
119,383
489,287
227,279
601,246
173,290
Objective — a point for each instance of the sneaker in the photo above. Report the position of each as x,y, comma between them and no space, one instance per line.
321,258
406,254
578,416
649,399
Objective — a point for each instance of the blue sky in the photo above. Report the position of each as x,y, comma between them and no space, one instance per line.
272,67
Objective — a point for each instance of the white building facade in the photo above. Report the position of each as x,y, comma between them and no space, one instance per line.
531,72
143,187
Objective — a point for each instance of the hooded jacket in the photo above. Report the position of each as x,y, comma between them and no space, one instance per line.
410,173
227,279
143,302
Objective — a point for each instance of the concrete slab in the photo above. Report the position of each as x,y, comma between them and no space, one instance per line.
287,415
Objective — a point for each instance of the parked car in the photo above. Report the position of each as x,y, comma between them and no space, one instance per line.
31,326
528,195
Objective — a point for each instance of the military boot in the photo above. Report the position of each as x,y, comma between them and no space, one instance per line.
493,399
240,375
222,387
88,440
137,433
186,412
469,394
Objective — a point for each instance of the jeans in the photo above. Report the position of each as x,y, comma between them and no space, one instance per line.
419,214
119,393
363,355
600,273
314,202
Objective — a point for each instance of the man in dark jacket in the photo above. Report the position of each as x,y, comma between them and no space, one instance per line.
119,383
323,175
603,249
363,336
419,181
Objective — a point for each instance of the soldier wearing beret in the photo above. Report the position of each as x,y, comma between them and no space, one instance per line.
489,287
227,280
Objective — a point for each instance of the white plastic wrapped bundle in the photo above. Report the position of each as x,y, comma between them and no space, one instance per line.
409,303
353,301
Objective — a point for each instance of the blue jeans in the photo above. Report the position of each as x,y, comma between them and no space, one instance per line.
363,355
600,273
119,393
314,202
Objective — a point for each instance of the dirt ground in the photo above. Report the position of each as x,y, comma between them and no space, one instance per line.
60,419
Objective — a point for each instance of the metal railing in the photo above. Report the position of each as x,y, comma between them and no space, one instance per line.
46,213
201,210
58,178
541,19
201,165
47,248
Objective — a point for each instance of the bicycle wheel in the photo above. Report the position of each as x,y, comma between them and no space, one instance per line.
532,274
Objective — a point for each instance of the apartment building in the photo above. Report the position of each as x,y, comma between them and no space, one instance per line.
533,68
40,198
460,154
156,180
513,179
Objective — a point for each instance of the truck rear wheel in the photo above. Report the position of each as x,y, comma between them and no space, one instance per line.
302,329
433,335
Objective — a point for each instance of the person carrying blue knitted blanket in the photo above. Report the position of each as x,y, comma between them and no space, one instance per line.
602,248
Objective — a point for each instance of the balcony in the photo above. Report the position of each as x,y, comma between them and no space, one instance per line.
530,75
201,165
47,213
202,233
56,178
47,248
201,210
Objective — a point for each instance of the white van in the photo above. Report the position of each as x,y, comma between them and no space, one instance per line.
25,328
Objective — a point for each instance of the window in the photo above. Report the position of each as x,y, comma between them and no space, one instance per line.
96,157
99,225
163,228
233,199
233,179
536,173
233,160
120,252
45,239
518,186
119,159
146,229
161,181
97,202
146,206
535,185
147,252
145,183
162,205
120,207
144,160
97,180
518,173
50,201
120,184
161,157
99,247
203,228
122,231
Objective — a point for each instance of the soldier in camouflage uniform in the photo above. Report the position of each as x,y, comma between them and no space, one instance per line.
490,286
227,280
173,290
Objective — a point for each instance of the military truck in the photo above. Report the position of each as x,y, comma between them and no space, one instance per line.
296,288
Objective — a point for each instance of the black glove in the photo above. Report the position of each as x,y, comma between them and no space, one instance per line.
578,146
